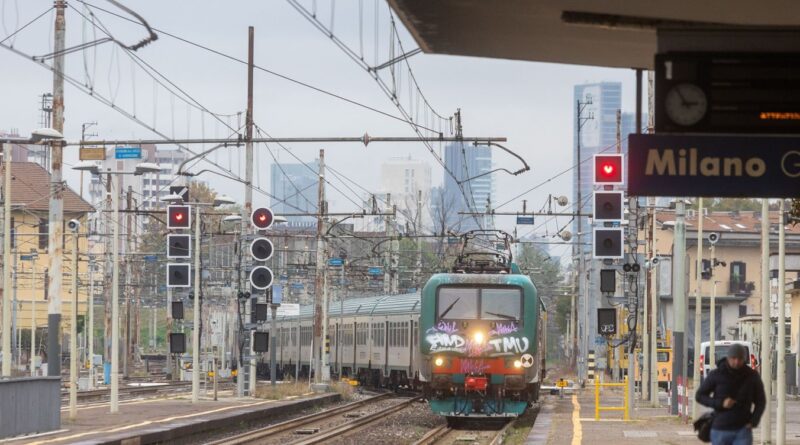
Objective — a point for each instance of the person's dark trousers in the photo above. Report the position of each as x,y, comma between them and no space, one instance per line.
743,436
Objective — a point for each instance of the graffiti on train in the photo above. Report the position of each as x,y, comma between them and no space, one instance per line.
445,337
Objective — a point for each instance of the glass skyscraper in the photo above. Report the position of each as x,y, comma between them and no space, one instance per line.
466,161
294,190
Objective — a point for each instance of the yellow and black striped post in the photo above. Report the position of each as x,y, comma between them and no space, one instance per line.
590,364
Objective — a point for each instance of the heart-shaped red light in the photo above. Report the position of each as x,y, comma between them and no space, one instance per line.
608,169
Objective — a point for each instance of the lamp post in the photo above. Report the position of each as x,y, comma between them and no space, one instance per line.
37,136
142,168
221,200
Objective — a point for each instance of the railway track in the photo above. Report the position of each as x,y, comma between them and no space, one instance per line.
323,426
127,392
444,434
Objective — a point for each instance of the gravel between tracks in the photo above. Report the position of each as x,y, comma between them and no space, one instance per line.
273,420
403,427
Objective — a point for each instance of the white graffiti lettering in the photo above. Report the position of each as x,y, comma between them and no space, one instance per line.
445,342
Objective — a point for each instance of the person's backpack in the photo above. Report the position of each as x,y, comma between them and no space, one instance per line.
703,426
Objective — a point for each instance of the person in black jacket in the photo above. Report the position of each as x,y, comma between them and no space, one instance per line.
737,395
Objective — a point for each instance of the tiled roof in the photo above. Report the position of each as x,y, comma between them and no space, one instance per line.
742,221
30,185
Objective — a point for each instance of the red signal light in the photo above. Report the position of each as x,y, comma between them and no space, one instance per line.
178,217
608,169
262,218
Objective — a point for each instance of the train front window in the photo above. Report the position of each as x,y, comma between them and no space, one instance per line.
501,304
457,303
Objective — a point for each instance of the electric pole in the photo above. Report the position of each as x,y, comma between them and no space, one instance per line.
698,305
678,302
766,325
55,249
319,279
579,250
247,209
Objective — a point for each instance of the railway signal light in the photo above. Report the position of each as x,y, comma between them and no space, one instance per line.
608,169
179,217
607,206
608,281
631,267
608,243
179,246
259,313
177,343
178,275
261,249
261,277
177,310
606,321
261,341
262,218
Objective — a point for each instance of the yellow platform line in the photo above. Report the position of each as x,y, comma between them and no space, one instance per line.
577,430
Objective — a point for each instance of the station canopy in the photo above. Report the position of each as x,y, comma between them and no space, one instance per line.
618,34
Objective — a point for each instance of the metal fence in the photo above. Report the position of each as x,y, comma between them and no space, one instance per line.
29,405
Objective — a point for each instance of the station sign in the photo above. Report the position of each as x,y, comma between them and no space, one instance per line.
334,262
128,153
288,310
528,220
375,270
92,153
715,166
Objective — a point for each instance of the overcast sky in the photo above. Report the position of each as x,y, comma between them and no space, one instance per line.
529,103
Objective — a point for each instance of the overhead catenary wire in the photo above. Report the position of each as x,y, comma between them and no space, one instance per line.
259,68
390,92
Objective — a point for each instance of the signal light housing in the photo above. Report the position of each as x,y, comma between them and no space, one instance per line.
261,277
608,281
177,310
179,217
608,169
261,249
260,341
177,343
262,218
178,275
179,246
608,243
606,321
607,206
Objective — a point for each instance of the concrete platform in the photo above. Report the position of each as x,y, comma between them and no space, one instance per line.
166,420
570,421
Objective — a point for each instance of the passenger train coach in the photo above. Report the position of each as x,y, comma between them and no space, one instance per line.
372,339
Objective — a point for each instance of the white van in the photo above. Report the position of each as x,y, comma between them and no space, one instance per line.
721,351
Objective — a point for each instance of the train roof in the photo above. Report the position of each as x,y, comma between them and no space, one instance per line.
379,304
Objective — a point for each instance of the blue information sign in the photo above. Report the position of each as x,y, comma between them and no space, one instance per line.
718,166
128,153
525,220
335,262
150,258
297,285
375,270
277,294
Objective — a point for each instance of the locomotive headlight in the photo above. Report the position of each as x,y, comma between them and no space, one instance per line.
517,364
478,337
438,361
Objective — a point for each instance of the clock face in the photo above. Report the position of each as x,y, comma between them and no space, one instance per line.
686,104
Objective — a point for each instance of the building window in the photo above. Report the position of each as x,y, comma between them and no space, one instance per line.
738,284
13,234
44,231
